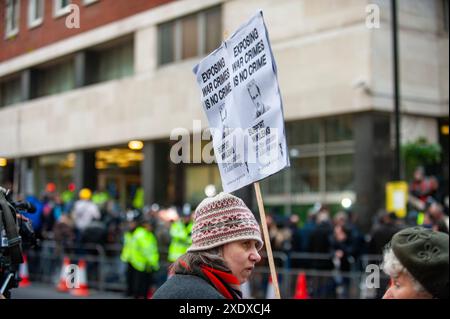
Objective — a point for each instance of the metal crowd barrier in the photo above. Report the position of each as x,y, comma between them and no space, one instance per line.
105,270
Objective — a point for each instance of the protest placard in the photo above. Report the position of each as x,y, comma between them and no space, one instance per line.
242,101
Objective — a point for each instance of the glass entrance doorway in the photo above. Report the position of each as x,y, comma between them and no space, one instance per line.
121,186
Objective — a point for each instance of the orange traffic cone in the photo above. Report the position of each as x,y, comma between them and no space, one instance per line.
301,291
270,293
23,273
82,290
62,284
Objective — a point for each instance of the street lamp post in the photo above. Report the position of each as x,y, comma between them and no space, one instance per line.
396,88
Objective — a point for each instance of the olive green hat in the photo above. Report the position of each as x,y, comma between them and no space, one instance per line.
424,253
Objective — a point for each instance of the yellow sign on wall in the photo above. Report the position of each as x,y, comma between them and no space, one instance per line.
397,197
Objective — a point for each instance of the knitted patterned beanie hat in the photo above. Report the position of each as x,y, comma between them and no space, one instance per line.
222,219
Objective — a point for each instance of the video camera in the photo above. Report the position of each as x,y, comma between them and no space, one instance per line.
15,232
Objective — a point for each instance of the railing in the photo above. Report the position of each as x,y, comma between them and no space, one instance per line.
330,283
105,270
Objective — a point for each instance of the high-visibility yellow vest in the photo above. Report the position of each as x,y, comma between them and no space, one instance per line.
126,248
138,200
67,196
144,254
181,239
420,218
99,198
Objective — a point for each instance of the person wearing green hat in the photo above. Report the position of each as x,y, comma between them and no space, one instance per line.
416,259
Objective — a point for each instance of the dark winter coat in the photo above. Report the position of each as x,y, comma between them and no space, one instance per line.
319,242
381,236
187,287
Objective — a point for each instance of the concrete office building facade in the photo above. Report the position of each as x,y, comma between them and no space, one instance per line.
126,75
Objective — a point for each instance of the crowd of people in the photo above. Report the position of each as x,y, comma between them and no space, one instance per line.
151,235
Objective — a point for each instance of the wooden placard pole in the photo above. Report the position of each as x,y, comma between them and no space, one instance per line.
262,214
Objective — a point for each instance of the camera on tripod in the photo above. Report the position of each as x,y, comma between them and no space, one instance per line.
16,232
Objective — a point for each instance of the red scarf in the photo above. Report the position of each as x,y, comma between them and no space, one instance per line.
227,284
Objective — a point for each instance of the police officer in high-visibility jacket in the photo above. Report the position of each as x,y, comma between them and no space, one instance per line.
180,233
133,218
144,257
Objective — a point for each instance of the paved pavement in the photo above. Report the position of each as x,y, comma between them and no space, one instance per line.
45,291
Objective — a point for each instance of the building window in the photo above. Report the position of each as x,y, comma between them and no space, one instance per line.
339,173
305,175
190,36
338,128
54,168
54,79
110,61
308,132
321,153
213,32
197,178
61,7
10,91
276,184
12,18
189,31
166,43
35,12
116,63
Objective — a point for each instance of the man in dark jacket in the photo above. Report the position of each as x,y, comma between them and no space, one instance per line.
319,243
381,234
